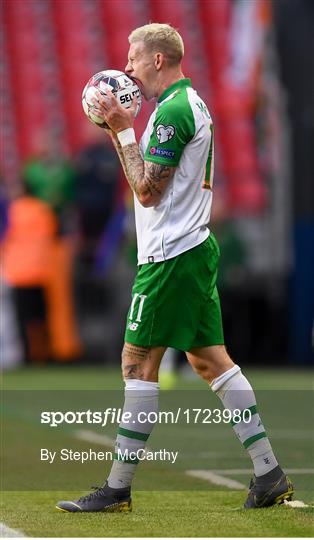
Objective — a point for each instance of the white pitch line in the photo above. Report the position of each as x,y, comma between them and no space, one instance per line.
216,479
97,438
290,434
296,504
7,532
249,471
92,437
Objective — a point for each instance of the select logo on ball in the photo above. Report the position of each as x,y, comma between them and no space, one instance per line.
119,84
126,97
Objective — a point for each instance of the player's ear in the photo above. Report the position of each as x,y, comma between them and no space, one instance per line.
158,60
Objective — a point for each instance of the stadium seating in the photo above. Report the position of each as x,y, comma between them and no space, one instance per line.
117,29
233,113
24,71
53,48
81,52
10,158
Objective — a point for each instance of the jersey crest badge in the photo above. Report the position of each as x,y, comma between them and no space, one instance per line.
165,133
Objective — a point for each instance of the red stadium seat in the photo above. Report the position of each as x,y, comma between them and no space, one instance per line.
53,48
80,43
32,69
117,28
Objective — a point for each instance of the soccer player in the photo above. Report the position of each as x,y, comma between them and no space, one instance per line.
175,302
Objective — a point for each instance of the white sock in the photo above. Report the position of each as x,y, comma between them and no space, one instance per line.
140,397
235,392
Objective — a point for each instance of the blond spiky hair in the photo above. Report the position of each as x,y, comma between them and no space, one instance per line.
160,38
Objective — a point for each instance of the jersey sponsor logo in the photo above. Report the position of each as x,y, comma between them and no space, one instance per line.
162,152
165,133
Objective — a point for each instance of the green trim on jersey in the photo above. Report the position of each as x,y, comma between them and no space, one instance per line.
174,125
181,83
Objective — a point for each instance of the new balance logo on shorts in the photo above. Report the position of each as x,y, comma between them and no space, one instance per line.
133,326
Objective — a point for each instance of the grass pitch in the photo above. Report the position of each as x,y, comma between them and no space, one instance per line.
166,502
158,514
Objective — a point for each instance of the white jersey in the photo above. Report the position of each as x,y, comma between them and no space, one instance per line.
179,134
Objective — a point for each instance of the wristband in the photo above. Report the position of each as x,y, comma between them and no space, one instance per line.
127,136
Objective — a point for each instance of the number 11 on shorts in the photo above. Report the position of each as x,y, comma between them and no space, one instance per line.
141,298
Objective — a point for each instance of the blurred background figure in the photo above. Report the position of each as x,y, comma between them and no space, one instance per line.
51,178
27,248
12,354
38,255
101,213
251,63
98,175
232,279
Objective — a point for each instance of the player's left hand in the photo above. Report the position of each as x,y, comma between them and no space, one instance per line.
117,117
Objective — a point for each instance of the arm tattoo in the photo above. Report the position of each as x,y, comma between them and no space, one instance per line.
134,166
118,148
156,174
145,179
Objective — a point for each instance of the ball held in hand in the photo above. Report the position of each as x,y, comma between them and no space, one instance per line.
122,86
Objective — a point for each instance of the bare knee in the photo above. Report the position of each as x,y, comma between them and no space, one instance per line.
141,362
210,362
203,370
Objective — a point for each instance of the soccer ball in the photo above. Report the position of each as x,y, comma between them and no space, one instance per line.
121,86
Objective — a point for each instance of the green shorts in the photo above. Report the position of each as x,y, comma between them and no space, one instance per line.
175,303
